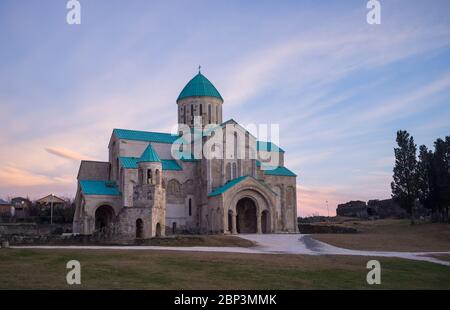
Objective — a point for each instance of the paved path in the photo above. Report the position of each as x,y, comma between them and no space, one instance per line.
271,244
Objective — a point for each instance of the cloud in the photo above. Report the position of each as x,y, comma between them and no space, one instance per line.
18,177
67,154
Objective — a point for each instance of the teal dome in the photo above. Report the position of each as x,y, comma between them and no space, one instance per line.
199,86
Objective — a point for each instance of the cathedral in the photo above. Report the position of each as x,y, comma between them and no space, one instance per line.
154,184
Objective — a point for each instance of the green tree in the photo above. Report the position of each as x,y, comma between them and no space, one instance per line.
425,182
404,185
441,177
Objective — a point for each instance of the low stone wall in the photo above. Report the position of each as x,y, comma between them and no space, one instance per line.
325,229
62,240
33,229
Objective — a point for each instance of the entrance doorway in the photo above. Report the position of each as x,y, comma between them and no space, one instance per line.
246,216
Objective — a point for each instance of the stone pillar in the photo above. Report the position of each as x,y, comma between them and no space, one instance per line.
258,222
233,224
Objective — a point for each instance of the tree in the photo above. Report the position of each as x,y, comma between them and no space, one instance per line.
404,186
424,173
441,177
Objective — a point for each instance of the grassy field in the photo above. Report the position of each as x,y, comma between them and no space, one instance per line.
391,235
108,269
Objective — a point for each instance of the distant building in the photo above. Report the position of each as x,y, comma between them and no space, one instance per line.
385,208
21,206
355,208
48,200
5,208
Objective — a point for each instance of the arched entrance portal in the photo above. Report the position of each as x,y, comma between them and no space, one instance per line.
265,224
104,216
158,230
246,216
139,229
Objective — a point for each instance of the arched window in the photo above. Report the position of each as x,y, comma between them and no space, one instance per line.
217,114
234,171
201,109
228,171
192,114
149,176
190,207
184,115
235,141
209,113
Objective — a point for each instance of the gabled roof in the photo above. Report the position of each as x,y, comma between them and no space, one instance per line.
148,136
131,163
149,156
50,199
270,170
268,146
96,187
227,186
4,202
234,182
199,86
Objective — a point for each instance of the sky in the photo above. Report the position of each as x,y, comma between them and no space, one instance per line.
338,87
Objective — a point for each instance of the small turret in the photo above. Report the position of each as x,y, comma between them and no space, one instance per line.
150,167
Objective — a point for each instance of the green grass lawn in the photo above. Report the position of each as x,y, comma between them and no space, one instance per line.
109,269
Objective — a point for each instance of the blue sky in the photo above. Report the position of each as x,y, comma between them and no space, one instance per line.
338,87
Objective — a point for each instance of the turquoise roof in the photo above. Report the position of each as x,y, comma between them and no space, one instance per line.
227,186
149,156
232,183
282,171
270,170
95,187
199,86
170,164
167,164
268,146
147,136
129,162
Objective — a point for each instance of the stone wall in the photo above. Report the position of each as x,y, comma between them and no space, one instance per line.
33,229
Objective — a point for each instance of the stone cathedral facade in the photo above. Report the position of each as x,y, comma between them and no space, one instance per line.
147,189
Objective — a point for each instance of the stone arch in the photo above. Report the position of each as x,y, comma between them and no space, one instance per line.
104,218
139,229
262,200
174,187
149,176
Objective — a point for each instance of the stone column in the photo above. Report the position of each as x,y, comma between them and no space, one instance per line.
258,222
233,224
